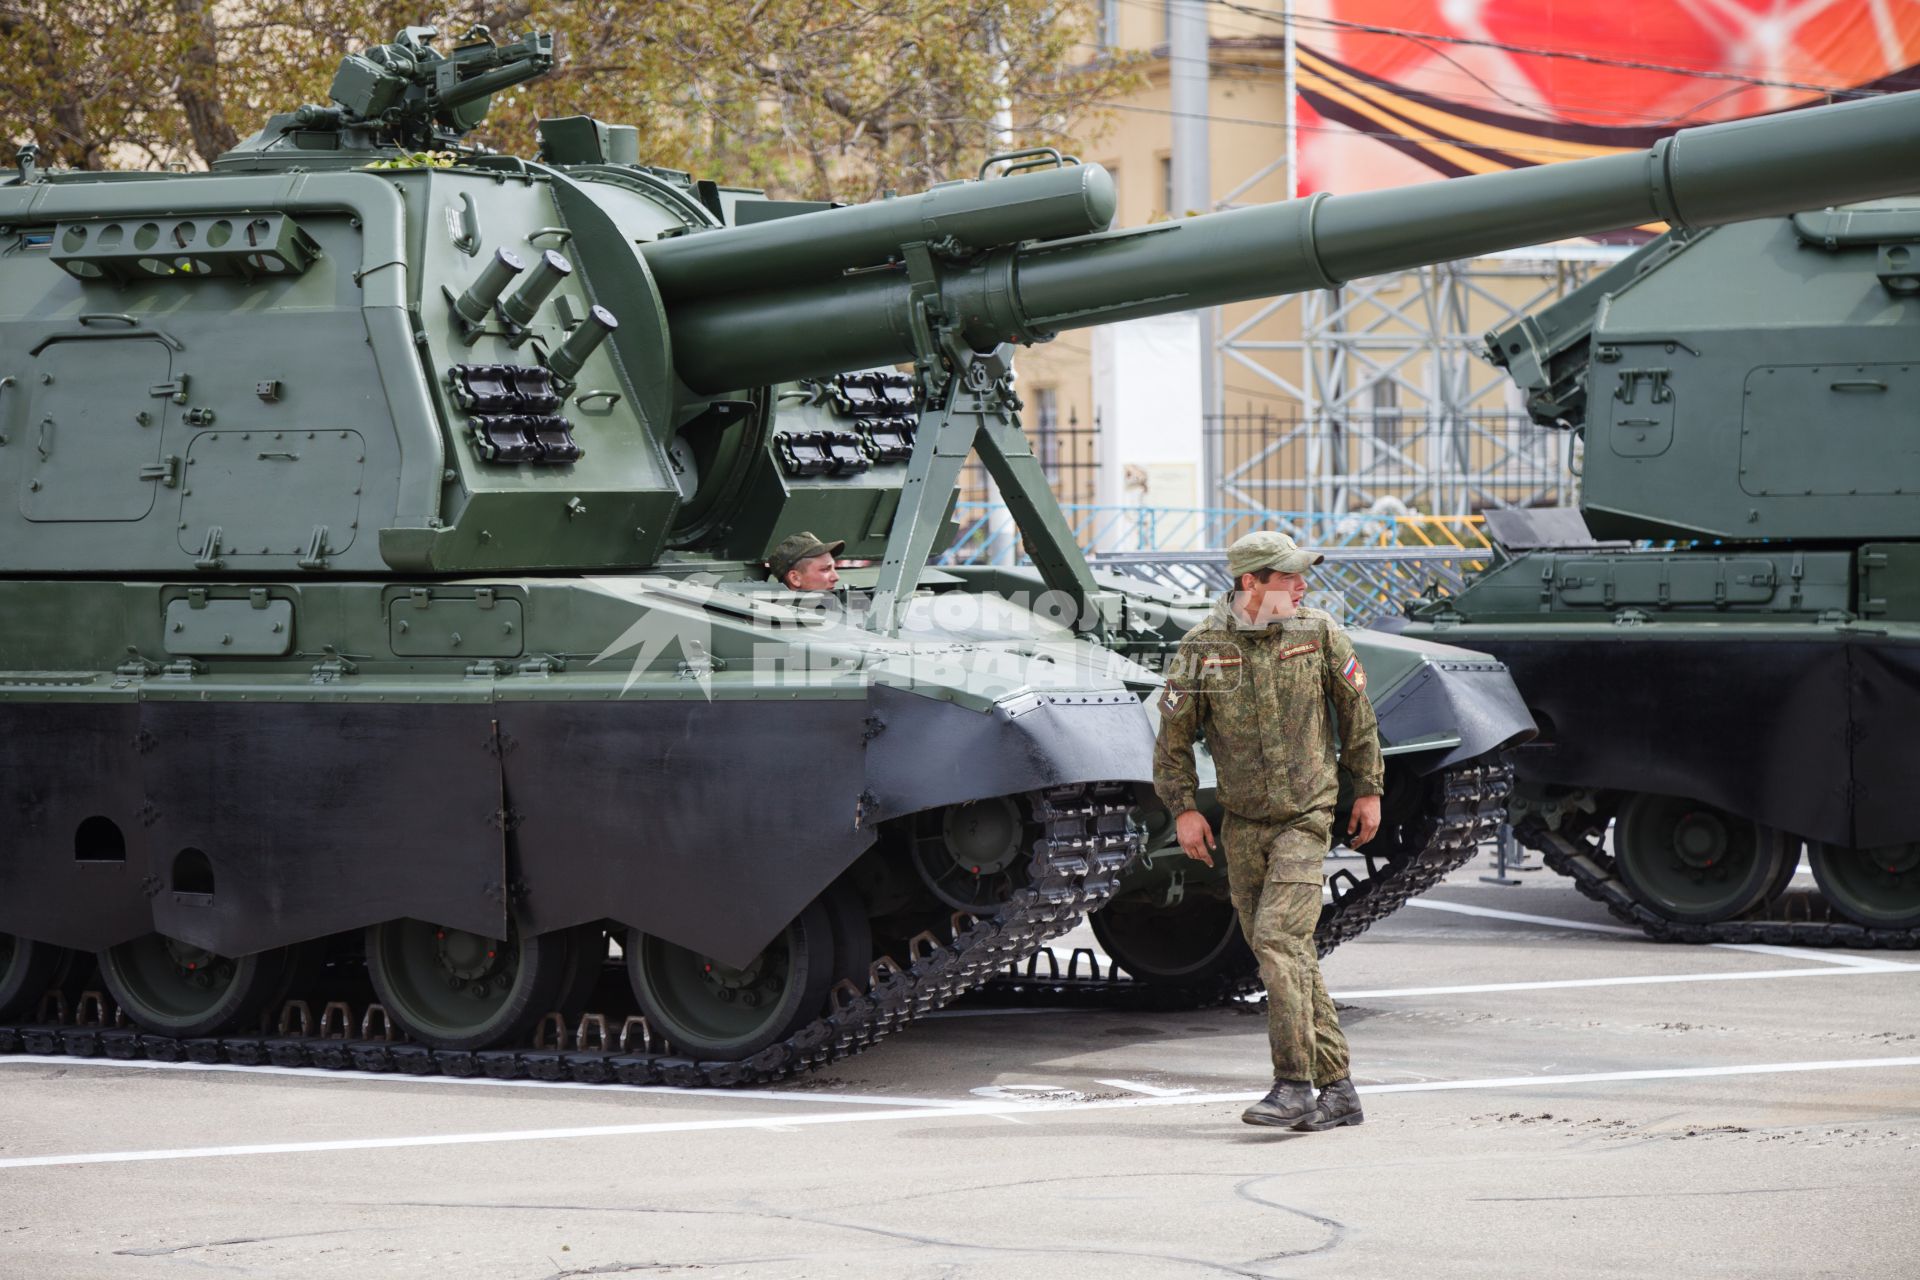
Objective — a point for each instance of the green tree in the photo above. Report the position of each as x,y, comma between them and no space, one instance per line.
814,98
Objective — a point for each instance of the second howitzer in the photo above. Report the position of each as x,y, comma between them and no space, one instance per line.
1746,684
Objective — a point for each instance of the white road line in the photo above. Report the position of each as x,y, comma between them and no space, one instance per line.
1150,1090
1807,953
1655,1073
1027,1011
397,1077
1461,908
1804,954
1825,971
984,1108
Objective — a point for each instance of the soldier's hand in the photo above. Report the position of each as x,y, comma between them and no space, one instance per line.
1365,822
1196,835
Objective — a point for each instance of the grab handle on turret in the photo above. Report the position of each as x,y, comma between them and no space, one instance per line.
1024,159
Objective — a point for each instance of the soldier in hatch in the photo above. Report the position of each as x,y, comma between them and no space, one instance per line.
804,563
1256,680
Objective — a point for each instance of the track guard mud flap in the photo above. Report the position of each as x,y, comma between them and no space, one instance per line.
1762,728
301,818
927,752
713,824
1472,699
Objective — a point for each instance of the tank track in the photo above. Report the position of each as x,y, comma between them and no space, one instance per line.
1795,919
1075,866
1466,804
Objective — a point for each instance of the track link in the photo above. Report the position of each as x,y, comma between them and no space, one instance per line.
1089,837
1576,849
1462,807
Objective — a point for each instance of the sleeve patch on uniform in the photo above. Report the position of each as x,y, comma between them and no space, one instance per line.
1172,699
1355,674
1298,650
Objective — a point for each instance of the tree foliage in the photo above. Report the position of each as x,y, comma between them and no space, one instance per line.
815,98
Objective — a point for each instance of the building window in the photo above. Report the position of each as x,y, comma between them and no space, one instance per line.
1166,21
1386,412
1046,430
1166,186
1109,23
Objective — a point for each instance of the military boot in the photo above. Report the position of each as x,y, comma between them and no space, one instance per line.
1339,1104
1286,1102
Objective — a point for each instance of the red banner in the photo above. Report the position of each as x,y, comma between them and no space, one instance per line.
1400,91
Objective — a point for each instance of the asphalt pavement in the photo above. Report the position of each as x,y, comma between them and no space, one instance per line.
1546,1095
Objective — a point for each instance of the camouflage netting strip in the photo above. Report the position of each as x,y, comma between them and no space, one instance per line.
1090,836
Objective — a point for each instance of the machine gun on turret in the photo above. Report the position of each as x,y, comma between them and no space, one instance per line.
408,94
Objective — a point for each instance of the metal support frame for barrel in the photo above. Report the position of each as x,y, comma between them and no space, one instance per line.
968,403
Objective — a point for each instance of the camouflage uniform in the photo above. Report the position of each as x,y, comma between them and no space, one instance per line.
1261,697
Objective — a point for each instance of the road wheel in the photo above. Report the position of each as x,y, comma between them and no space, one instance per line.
1193,945
1689,861
174,988
28,970
458,990
1879,888
708,1009
973,855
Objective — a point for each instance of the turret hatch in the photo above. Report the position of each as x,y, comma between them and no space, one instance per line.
93,430
1833,430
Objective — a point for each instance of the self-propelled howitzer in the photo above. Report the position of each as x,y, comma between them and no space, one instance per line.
1744,683
383,586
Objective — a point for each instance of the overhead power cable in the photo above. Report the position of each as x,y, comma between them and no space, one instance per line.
1533,51
1569,55
1240,65
1545,152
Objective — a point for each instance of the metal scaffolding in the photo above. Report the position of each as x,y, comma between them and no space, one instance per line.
1395,403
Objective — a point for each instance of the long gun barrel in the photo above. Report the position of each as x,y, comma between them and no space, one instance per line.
790,318
962,216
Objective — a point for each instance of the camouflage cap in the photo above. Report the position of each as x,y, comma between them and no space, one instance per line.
1269,550
797,547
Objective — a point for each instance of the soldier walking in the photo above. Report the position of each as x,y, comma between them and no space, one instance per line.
1256,680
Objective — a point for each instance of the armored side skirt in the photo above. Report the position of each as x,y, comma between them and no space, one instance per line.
1812,736
242,825
1466,701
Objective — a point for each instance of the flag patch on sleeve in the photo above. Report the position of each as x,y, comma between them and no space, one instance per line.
1355,674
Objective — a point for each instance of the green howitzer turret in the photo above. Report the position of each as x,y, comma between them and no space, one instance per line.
385,582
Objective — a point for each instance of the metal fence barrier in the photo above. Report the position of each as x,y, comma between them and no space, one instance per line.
1375,562
1358,585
